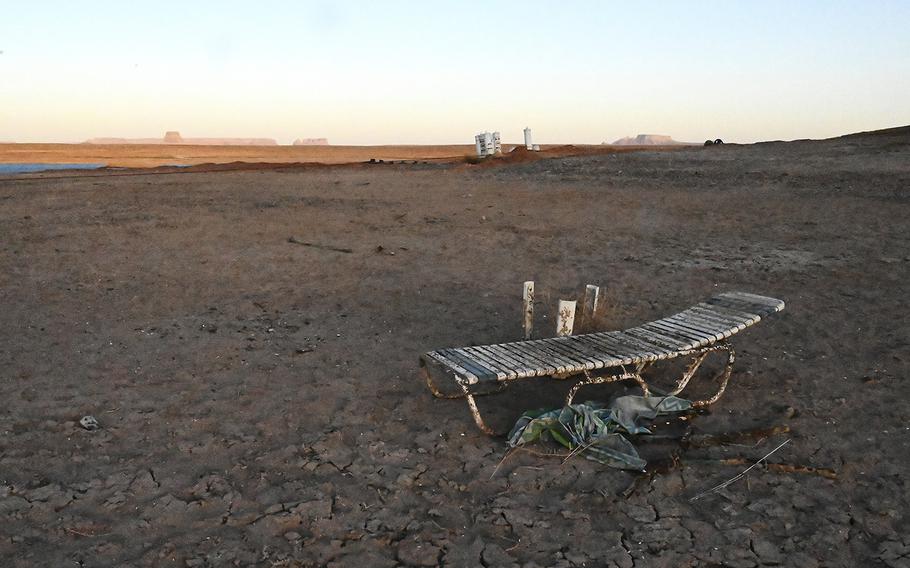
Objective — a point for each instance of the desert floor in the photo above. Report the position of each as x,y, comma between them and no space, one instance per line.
260,402
156,155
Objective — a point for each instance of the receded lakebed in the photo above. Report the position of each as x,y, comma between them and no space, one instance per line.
25,168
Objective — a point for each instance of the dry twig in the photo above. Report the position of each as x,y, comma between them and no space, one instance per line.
741,474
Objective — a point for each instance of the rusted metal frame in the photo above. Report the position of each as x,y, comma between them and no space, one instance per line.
698,357
683,381
475,412
724,376
624,375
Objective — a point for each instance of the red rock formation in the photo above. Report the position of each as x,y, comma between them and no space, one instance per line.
647,140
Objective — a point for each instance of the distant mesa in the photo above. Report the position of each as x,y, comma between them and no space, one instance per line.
311,142
174,137
647,140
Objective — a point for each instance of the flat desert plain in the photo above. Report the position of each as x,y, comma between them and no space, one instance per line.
260,403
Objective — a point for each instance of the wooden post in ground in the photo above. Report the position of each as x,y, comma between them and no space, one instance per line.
592,294
528,310
565,320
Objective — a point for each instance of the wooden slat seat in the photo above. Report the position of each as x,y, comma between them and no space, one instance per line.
689,332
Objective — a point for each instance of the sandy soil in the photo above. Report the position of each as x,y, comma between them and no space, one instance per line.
156,155
260,404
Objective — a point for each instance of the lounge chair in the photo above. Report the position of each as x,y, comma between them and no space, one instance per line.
602,357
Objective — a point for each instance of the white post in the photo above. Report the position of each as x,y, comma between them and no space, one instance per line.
528,297
592,293
565,320
528,144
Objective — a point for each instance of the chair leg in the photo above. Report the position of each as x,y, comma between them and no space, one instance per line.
475,412
697,360
724,376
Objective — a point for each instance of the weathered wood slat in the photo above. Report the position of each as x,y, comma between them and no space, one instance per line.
528,366
610,353
659,339
760,310
468,376
737,324
732,307
573,348
514,366
478,358
662,326
469,372
750,319
503,372
689,319
705,330
543,364
583,349
703,324
580,362
563,364
642,349
482,371
774,303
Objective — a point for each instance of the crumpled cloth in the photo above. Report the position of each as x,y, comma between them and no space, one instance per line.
599,431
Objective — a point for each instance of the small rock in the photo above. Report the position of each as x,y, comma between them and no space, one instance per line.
90,423
292,536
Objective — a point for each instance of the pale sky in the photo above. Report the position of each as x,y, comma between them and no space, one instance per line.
396,72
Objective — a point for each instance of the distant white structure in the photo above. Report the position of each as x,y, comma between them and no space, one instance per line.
487,144
528,144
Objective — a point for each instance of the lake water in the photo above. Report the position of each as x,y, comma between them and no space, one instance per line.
23,168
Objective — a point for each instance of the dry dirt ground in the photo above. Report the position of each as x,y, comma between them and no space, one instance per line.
260,402
152,155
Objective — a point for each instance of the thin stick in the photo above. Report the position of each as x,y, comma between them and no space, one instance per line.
578,449
741,475
502,461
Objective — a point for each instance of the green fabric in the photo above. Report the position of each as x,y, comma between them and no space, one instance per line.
600,431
